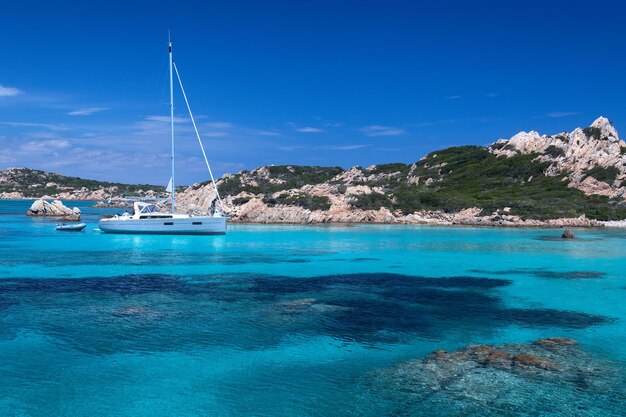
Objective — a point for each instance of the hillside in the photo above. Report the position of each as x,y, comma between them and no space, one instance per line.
529,179
31,183
524,179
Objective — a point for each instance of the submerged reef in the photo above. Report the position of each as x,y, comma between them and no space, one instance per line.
542,273
155,312
552,376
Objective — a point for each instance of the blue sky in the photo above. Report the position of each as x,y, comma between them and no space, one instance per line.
83,84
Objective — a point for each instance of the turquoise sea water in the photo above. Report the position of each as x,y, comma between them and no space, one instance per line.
298,320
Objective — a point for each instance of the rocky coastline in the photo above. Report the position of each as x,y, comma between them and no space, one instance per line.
256,212
259,213
568,180
393,193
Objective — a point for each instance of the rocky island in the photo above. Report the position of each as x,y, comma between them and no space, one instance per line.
29,184
42,208
570,179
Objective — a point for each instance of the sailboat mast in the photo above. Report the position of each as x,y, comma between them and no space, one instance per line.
172,119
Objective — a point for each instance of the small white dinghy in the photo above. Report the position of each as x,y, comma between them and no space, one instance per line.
75,227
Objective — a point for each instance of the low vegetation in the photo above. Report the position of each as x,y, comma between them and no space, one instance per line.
458,178
449,180
554,151
593,132
607,175
470,176
372,201
281,177
32,182
303,200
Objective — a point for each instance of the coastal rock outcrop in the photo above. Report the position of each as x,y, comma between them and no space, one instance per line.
250,208
443,187
256,211
55,209
13,195
593,159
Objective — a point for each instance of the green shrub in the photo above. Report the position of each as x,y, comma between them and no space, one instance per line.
372,201
233,186
21,179
288,176
294,176
391,168
607,175
594,132
240,200
320,203
498,145
554,151
562,138
473,177
303,200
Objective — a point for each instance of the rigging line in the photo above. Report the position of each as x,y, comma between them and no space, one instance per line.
193,121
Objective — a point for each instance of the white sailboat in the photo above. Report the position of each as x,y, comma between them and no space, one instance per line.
146,219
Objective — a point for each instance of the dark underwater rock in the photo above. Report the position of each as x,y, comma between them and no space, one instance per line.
567,234
500,358
534,361
363,308
555,342
552,376
484,355
543,273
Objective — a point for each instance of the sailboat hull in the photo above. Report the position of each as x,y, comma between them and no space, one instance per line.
200,225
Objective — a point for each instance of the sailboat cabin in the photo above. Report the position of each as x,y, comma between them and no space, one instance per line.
148,211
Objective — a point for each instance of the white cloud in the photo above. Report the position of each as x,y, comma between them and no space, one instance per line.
492,95
166,119
88,111
561,114
45,145
114,151
159,126
28,124
453,97
9,91
309,129
266,133
377,130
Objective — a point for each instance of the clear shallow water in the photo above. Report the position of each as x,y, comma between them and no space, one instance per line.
289,320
